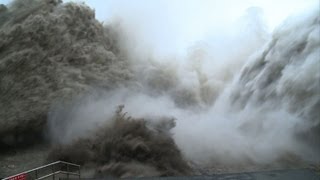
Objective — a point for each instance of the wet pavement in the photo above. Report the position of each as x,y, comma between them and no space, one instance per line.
297,174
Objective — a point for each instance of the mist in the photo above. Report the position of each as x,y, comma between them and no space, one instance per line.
194,87
242,90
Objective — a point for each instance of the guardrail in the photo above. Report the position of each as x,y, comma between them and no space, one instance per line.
53,170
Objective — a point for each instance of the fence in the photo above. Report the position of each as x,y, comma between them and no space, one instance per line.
55,170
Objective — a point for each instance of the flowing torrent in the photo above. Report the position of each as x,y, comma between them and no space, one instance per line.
82,86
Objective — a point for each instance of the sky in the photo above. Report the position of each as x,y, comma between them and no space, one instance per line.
172,25
275,11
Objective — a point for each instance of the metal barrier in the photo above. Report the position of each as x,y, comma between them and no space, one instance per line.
59,169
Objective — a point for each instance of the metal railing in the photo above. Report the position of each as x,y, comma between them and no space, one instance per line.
59,169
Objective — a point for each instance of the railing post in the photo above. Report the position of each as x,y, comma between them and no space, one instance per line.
36,173
52,172
67,171
79,172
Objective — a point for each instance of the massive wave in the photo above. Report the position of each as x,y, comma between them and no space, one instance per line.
51,51
63,72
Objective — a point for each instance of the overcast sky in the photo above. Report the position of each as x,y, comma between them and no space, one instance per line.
275,11
174,24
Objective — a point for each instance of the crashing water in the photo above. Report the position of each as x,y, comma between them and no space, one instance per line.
64,72
51,51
